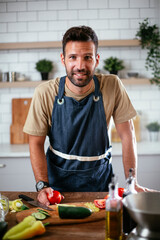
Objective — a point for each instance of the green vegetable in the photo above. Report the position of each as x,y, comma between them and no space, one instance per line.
73,212
26,229
3,228
39,216
24,207
44,212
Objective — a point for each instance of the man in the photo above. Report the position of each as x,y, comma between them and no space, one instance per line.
74,112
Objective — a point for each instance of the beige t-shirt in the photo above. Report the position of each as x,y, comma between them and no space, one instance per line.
115,99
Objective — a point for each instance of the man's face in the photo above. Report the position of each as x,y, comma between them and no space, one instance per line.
80,61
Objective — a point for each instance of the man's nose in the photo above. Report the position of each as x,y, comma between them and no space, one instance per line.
80,63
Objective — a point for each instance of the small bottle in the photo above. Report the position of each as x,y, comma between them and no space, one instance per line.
128,222
113,212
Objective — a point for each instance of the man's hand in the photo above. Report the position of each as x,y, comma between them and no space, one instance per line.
42,195
139,188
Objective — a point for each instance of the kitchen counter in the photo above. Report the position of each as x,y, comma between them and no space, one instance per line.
85,231
22,150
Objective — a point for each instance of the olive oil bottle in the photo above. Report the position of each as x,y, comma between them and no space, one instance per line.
128,223
113,212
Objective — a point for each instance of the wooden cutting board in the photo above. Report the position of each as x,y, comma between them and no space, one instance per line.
20,108
56,220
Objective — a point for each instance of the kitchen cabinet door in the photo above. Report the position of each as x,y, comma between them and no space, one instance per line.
16,174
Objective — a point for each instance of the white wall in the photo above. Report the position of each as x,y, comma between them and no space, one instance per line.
29,21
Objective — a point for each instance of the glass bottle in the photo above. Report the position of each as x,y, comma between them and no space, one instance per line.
128,222
113,212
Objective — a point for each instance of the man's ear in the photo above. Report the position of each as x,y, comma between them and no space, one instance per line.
97,59
62,58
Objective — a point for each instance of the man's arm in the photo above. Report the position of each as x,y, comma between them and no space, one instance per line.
39,165
129,150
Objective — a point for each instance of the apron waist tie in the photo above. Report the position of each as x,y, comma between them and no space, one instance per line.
81,158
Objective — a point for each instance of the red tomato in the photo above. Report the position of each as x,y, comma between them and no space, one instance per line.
55,198
121,191
107,196
100,203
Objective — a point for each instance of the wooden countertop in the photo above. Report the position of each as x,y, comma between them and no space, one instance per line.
85,231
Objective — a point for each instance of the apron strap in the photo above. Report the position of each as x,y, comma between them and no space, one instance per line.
62,87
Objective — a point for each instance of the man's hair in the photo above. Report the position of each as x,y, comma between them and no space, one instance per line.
81,34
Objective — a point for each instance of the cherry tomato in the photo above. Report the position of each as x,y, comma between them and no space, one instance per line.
55,198
100,203
107,196
121,191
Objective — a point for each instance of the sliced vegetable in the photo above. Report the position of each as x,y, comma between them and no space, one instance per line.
107,196
26,229
24,207
16,205
100,203
92,207
55,198
121,191
44,212
73,212
39,216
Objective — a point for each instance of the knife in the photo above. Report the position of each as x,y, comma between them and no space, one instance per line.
34,202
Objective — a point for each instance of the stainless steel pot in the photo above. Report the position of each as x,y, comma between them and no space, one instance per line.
144,208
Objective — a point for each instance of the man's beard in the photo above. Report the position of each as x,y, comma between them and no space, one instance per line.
80,82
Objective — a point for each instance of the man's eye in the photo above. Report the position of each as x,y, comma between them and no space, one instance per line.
88,57
73,57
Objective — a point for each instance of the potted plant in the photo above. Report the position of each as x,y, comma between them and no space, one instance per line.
149,36
113,65
153,129
44,67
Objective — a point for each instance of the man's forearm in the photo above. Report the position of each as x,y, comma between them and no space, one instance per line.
38,159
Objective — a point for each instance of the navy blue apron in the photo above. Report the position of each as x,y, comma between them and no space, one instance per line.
79,156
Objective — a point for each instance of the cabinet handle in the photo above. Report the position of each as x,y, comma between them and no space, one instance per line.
2,165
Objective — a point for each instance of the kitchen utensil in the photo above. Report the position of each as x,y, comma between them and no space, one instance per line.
144,208
56,220
4,207
34,202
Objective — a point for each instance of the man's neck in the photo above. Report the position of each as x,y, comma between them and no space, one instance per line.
78,90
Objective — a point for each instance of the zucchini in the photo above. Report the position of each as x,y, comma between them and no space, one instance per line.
73,212
44,212
39,216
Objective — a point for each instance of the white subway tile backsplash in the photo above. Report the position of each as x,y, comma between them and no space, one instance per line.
97,4
109,13
37,26
76,4
139,3
57,5
17,27
26,16
36,5
57,25
88,14
8,57
8,37
48,36
16,6
67,14
129,13
118,24
7,17
3,7
118,4
28,37
149,12
47,15
3,27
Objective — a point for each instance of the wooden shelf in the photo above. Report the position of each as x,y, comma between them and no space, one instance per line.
33,84
58,44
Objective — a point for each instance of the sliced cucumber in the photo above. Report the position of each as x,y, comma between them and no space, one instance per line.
39,216
73,212
44,212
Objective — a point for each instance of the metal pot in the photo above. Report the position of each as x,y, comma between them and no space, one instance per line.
144,208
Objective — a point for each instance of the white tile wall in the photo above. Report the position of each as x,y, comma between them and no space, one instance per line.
47,20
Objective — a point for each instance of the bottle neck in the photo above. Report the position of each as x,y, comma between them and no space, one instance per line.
113,191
